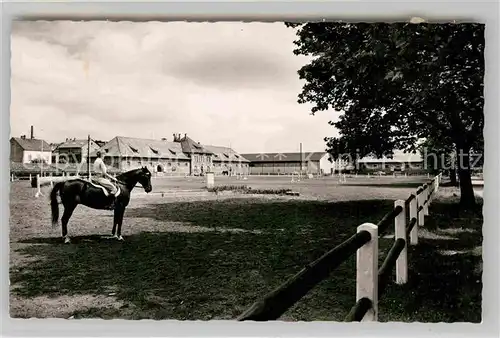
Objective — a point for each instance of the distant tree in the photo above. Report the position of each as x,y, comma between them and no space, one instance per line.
397,83
100,143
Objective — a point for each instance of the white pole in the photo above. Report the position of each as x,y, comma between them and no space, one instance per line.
210,180
432,189
426,198
367,271
420,214
413,214
400,232
38,190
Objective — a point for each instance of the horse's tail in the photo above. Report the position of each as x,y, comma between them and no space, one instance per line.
54,205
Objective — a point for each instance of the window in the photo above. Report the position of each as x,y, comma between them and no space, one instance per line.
135,150
155,151
172,151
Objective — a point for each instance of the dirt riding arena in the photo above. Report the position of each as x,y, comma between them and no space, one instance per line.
191,254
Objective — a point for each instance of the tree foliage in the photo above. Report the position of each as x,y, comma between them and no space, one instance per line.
395,83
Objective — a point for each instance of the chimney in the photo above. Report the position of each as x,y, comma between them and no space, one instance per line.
185,136
23,137
32,136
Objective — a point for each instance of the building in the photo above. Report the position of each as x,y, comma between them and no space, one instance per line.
226,161
317,163
182,156
30,150
400,161
74,151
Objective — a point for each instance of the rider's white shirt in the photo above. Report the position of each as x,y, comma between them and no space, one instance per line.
99,167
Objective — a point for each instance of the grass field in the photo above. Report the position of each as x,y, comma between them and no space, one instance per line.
189,257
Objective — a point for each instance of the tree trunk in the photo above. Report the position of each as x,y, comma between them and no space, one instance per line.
453,177
467,198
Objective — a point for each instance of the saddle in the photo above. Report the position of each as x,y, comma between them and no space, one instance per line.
103,188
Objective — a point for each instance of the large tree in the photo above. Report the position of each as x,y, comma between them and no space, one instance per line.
440,157
397,83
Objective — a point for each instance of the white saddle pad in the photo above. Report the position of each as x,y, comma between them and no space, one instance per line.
106,192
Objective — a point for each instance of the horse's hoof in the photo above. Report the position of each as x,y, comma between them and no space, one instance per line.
120,238
67,240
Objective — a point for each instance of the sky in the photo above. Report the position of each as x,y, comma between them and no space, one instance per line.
228,84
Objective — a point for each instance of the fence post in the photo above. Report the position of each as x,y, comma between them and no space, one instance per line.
413,214
426,198
432,191
420,213
400,232
367,271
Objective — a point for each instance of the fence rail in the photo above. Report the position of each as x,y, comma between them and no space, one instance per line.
371,282
275,303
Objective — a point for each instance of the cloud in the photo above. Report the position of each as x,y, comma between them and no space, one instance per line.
221,83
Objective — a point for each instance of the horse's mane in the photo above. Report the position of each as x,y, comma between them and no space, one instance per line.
127,174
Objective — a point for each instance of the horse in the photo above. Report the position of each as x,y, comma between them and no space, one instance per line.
81,191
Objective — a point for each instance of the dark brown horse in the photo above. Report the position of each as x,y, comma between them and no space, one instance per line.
80,191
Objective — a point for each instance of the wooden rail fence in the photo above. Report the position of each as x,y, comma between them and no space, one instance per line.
371,281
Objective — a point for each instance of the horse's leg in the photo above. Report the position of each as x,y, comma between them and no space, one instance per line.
119,219
115,222
68,211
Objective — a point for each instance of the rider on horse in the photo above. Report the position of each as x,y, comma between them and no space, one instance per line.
103,178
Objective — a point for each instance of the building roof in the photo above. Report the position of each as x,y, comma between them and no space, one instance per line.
284,157
225,154
53,146
74,143
191,147
121,146
33,144
398,157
